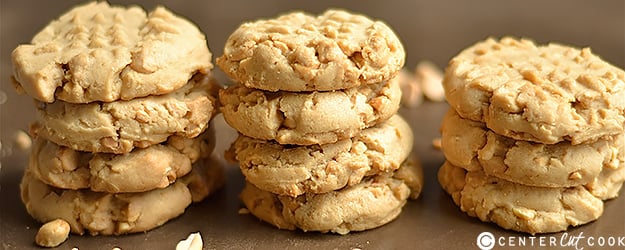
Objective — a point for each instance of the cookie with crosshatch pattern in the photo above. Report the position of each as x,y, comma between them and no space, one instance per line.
541,93
99,52
301,52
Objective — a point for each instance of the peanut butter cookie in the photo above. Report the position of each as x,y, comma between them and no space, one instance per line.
118,127
371,203
98,52
312,117
295,170
541,93
300,52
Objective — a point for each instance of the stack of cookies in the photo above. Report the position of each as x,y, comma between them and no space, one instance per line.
534,139
315,103
124,99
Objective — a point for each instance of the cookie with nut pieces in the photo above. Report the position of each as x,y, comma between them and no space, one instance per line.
301,52
99,52
541,93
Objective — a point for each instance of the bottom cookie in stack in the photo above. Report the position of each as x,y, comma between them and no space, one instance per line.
526,208
371,203
121,208
527,186
357,183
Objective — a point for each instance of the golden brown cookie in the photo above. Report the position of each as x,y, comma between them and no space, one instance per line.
542,93
374,202
299,52
118,127
470,145
294,170
115,214
312,117
140,170
518,207
98,52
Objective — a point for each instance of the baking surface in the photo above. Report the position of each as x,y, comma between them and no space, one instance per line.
430,30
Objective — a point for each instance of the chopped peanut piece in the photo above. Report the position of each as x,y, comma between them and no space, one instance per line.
431,79
412,95
52,233
193,242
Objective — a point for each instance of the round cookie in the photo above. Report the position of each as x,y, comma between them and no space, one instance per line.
470,145
518,207
311,117
115,214
295,170
299,52
372,203
98,52
141,170
544,94
118,127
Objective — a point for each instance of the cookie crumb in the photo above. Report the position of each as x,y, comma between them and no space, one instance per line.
430,77
437,143
53,233
244,211
75,248
193,242
22,140
116,248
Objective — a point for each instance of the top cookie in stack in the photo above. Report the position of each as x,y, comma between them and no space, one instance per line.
124,99
534,139
315,102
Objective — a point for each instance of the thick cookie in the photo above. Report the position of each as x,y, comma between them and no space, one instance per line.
374,202
114,214
118,127
470,145
518,207
294,170
300,52
141,170
545,94
311,117
97,52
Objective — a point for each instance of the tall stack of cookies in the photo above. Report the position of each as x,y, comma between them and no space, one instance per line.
315,103
124,99
534,139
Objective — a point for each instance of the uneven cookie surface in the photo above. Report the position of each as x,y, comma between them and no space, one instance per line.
140,170
518,207
120,126
369,204
299,52
470,145
115,214
311,117
294,170
98,52
545,94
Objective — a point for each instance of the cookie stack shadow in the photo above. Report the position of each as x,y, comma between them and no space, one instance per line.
124,100
315,101
534,137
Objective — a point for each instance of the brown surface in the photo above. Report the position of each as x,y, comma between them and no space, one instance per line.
432,30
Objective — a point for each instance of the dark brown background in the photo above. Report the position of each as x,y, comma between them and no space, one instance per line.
430,30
